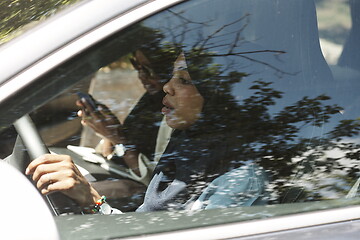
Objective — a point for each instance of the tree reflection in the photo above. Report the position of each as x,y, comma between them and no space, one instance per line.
300,167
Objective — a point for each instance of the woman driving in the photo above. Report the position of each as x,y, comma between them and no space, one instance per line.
203,146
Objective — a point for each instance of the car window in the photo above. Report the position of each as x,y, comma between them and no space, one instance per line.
240,104
19,16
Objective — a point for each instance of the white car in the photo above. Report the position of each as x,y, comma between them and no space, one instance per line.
290,67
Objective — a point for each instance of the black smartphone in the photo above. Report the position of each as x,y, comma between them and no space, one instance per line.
85,97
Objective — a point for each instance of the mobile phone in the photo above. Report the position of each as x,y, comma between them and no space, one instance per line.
84,97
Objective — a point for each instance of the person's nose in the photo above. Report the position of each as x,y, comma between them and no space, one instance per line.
168,88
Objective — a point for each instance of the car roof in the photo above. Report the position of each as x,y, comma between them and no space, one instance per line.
57,31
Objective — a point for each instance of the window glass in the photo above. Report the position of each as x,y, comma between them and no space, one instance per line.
228,104
280,105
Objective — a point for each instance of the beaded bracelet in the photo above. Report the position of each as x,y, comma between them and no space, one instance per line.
98,204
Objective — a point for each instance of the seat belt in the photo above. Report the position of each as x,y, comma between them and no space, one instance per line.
353,191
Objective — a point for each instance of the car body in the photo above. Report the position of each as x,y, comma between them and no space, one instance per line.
44,67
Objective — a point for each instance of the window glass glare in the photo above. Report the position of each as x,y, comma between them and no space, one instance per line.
334,22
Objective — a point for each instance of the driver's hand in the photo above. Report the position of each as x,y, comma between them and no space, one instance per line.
53,173
102,121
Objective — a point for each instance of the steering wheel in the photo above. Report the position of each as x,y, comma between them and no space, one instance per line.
58,202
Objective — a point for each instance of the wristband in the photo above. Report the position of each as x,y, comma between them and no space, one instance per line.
102,207
98,204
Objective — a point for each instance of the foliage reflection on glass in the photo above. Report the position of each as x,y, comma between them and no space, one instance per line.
259,119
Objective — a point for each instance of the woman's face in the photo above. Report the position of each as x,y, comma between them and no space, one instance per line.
182,102
148,77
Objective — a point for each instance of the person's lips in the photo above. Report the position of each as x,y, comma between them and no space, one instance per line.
168,108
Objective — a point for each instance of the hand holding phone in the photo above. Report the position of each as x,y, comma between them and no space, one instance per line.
99,117
87,99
